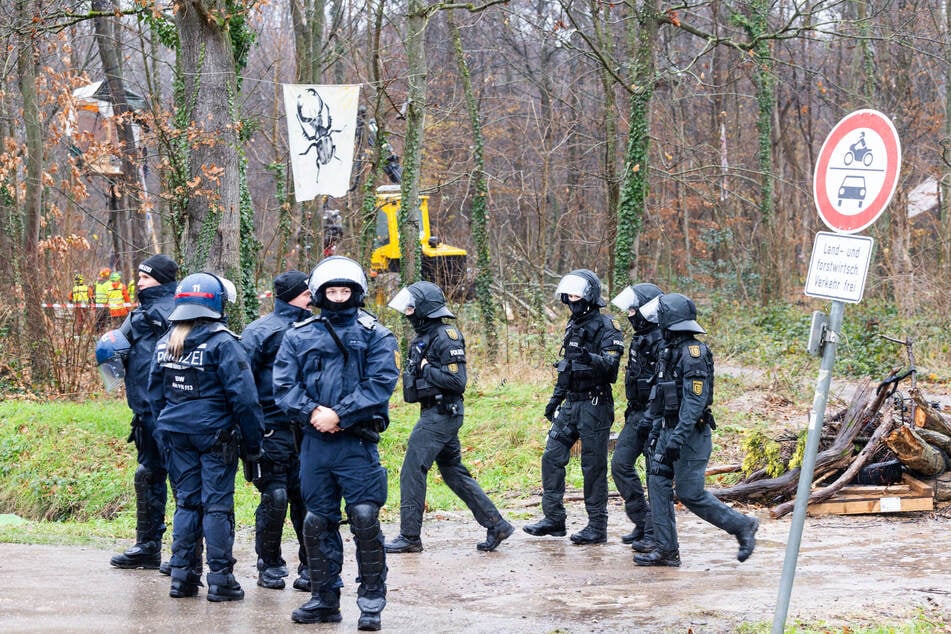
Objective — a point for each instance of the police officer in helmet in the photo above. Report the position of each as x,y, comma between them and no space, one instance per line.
581,406
435,377
206,406
680,440
334,375
277,475
632,441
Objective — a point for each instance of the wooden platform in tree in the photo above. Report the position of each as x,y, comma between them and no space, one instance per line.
910,495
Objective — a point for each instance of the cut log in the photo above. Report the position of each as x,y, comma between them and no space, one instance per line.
914,452
936,439
775,490
942,487
875,442
928,417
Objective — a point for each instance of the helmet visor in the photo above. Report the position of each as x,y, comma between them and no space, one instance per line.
626,299
342,271
402,300
230,292
572,284
112,373
649,310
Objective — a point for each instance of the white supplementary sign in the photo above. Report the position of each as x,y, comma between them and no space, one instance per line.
838,266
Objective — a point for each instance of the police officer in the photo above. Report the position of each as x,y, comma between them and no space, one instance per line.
632,441
435,377
206,406
334,375
142,329
581,406
277,475
680,439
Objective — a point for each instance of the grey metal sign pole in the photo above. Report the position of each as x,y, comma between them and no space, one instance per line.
816,418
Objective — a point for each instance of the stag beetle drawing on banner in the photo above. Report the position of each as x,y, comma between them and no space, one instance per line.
315,120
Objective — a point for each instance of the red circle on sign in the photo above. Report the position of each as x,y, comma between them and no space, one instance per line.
882,126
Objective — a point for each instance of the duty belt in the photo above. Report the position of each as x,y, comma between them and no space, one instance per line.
587,395
435,401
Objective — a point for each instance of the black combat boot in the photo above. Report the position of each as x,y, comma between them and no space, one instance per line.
590,535
146,555
658,558
324,604
222,586
546,526
747,540
643,545
404,544
165,568
633,536
269,523
302,582
501,531
187,587
323,607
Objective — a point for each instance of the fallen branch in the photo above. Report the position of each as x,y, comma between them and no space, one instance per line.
874,444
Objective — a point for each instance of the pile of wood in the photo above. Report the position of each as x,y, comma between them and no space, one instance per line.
878,425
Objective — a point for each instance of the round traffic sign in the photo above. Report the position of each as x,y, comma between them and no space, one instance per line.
857,171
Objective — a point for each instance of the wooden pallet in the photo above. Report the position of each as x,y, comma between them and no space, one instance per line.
910,495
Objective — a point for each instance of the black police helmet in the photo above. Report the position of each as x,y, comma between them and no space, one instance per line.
581,282
678,313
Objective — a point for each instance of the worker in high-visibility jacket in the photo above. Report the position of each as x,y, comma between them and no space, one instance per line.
101,297
81,297
118,298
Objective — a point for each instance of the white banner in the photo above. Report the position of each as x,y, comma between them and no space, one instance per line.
321,124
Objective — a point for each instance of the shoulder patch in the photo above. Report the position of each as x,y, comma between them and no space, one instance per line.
309,320
366,320
399,359
697,387
452,333
454,368
694,350
616,324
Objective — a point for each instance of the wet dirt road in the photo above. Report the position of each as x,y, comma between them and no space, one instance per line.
852,570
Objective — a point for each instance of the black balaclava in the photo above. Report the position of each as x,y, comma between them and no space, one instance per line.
580,308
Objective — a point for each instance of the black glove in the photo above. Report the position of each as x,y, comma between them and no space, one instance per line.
671,454
577,353
551,408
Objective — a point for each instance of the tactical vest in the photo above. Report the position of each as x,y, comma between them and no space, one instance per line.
581,377
672,368
441,347
641,367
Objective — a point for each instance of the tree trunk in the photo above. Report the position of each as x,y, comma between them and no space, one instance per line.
634,183
410,247
40,353
915,453
129,222
208,72
480,235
